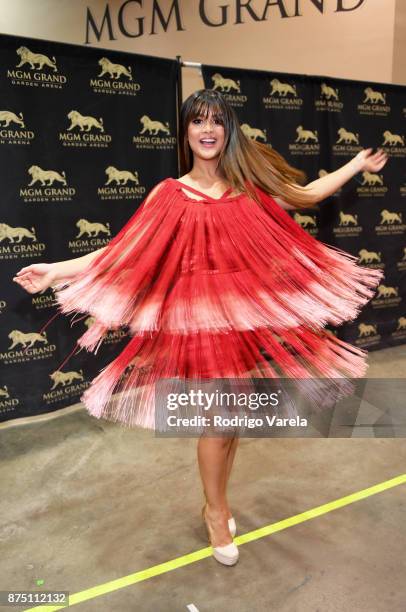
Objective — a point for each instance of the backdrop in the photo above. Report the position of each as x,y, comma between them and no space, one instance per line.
85,134
318,124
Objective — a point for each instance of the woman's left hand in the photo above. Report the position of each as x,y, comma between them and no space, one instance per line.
371,162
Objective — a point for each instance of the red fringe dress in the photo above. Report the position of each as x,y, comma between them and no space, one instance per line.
206,286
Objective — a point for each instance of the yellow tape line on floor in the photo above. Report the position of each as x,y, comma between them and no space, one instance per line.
162,568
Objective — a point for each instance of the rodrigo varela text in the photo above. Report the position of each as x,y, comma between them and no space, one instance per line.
236,421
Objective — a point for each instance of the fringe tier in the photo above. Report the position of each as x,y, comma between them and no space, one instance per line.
205,288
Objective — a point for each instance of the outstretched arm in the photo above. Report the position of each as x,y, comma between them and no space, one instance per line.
327,185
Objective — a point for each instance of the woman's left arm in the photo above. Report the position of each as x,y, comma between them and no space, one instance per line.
327,185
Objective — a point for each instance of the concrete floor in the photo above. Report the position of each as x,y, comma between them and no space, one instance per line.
86,502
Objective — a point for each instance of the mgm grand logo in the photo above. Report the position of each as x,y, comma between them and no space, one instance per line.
36,69
391,223
374,103
367,334
372,259
282,95
16,242
114,79
386,296
329,99
13,129
46,186
230,88
307,222
154,135
401,264
348,225
90,236
371,185
347,143
44,300
400,331
121,185
27,346
7,402
65,385
395,144
84,131
306,143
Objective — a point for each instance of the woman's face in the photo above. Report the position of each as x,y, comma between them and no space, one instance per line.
206,136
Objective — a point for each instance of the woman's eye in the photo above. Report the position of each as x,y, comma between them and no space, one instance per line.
218,121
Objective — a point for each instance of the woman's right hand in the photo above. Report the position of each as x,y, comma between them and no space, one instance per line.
36,277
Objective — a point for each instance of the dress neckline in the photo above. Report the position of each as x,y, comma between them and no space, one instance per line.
205,195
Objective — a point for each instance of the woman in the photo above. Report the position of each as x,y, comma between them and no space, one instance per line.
209,271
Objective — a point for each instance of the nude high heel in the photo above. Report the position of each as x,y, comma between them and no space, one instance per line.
228,554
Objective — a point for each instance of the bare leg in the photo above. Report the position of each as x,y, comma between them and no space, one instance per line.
230,459
212,456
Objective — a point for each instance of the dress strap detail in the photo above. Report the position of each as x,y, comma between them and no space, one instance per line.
205,195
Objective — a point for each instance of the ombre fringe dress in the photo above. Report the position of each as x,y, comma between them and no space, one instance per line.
215,288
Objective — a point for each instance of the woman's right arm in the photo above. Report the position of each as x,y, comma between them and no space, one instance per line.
71,267
39,277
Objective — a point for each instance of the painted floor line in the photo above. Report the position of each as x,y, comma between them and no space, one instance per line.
203,553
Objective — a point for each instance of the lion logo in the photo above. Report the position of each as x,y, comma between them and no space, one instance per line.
328,92
253,133
283,89
347,219
35,60
346,136
115,71
89,321
393,139
121,177
65,378
225,84
153,127
11,233
305,135
38,174
304,220
369,256
92,229
369,178
26,340
10,117
401,323
4,392
374,96
385,292
389,218
366,329
82,122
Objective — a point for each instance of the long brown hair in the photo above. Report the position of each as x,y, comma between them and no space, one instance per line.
243,162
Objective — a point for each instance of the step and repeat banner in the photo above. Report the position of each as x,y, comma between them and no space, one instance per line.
318,124
85,134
